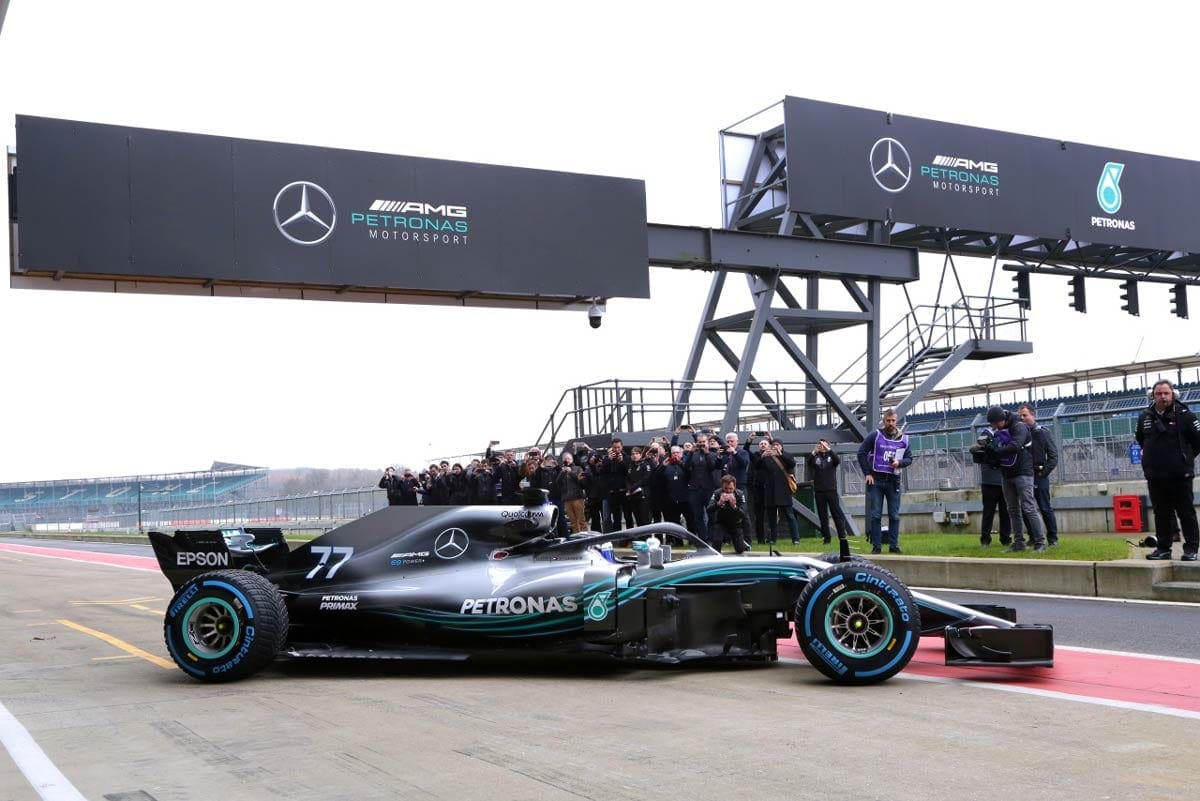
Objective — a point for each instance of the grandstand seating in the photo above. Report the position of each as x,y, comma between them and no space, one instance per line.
95,499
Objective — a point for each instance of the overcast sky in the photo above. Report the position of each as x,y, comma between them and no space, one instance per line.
95,384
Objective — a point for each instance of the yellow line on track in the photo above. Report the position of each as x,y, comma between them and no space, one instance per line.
24,611
114,603
116,643
148,609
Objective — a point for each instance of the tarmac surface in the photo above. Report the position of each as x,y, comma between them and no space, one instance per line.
84,672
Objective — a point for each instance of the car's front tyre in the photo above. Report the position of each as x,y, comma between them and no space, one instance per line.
225,625
857,623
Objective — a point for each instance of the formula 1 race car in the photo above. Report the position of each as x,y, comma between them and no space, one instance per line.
453,582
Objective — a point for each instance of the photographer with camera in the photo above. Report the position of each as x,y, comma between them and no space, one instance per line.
571,492
638,489
393,485
822,466
728,517
507,473
610,472
481,485
1009,448
991,482
702,465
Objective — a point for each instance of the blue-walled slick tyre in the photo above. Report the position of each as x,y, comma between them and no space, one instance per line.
857,623
225,625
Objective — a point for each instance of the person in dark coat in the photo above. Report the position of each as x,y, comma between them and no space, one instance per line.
456,486
755,492
673,486
992,484
702,465
481,485
774,465
507,473
728,517
1170,438
638,480
570,489
390,482
410,488
822,466
1011,449
1045,459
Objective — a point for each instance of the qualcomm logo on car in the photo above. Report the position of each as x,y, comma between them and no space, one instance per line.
891,166
451,543
305,213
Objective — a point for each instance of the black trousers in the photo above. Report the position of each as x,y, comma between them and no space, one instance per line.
828,504
1171,497
758,512
993,500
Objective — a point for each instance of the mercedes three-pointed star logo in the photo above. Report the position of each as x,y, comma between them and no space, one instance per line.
315,215
890,165
451,543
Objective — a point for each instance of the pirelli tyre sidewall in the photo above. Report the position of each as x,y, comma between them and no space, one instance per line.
857,623
225,625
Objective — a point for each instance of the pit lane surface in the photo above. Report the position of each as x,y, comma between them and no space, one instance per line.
84,670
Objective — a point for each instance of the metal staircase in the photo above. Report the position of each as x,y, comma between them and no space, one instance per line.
930,341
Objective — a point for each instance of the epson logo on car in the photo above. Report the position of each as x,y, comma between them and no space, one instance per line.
204,558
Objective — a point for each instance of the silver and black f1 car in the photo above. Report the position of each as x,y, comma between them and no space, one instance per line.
452,582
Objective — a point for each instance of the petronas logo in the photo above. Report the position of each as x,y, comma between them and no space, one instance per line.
1108,191
597,609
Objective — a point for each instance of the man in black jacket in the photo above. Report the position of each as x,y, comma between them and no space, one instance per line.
728,517
1170,438
1045,459
822,466
703,471
392,484
1010,448
507,473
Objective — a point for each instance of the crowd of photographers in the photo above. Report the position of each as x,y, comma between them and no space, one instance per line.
722,490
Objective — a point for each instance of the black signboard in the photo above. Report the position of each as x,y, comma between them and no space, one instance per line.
114,201
853,162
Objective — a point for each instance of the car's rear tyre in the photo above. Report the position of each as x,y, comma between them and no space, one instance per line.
225,625
857,623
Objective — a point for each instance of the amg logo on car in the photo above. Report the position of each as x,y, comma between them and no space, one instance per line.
966,164
338,603
518,605
417,207
205,558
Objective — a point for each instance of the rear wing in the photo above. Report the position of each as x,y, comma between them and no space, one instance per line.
188,553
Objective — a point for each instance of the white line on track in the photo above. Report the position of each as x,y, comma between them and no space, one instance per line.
988,685
91,561
32,761
1154,708
1058,597
1106,652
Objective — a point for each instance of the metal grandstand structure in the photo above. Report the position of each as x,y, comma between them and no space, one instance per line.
121,501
